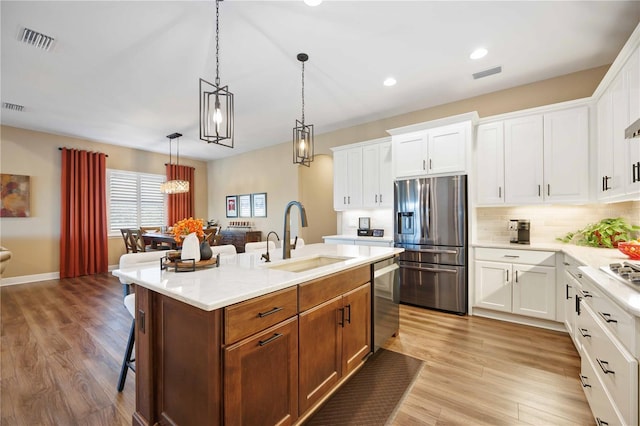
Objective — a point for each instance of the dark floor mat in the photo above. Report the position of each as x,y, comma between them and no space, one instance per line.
372,394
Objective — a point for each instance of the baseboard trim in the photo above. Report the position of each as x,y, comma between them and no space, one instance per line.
519,319
25,279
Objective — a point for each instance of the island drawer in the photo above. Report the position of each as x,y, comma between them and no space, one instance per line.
251,316
318,291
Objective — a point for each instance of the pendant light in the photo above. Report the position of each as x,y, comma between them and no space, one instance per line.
216,104
175,186
303,133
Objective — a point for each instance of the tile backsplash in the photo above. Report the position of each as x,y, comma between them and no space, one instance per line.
380,219
548,222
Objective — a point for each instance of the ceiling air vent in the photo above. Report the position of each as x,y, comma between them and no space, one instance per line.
13,107
36,39
486,73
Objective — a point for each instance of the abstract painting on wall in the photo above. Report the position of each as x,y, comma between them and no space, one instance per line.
15,195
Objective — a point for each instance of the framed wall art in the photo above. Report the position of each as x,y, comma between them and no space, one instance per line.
232,206
259,204
244,205
15,195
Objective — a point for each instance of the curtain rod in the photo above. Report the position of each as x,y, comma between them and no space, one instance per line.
60,149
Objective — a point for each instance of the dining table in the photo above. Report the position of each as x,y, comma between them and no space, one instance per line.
156,239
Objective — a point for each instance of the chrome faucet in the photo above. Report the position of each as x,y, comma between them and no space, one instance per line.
286,239
266,256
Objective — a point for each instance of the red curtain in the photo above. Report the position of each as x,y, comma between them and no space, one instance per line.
180,205
83,227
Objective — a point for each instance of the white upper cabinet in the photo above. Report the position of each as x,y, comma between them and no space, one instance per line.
533,159
523,160
410,154
447,149
566,155
377,175
347,178
618,105
490,163
362,175
421,150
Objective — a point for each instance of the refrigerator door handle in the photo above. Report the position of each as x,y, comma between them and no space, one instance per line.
435,251
418,268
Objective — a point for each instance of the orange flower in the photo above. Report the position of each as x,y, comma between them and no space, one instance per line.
185,227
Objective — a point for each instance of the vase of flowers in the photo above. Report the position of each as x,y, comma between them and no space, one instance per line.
189,232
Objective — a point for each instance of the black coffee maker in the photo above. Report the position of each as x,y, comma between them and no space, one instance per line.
519,231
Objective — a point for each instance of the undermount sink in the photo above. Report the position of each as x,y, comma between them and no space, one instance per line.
302,265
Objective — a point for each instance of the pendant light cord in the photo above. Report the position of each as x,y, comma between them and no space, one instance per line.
303,93
217,45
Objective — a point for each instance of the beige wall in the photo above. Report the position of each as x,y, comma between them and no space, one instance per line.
34,241
267,170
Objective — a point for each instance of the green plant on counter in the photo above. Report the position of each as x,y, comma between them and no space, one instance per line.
606,233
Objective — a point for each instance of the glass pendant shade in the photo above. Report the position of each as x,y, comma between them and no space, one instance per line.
174,187
216,114
303,143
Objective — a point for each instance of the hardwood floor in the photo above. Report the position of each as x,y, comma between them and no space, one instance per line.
62,343
480,371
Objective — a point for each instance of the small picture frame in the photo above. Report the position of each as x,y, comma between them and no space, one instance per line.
259,204
232,206
244,205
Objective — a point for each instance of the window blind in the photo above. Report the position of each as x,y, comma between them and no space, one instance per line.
134,200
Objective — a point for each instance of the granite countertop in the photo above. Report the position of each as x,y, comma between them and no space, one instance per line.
244,277
592,258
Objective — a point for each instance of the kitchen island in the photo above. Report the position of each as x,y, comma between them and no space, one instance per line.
251,343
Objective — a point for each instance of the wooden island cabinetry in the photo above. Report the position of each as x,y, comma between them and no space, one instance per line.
335,331
271,359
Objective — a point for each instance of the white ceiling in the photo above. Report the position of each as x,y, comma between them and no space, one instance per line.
127,72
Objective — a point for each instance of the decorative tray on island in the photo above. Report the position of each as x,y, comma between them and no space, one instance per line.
185,265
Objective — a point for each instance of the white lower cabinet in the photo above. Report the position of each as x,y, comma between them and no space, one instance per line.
615,368
527,287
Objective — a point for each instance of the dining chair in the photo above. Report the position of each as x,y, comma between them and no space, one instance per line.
127,240
137,243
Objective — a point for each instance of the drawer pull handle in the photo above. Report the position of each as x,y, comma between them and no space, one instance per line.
511,256
566,291
272,311
605,366
601,422
585,293
516,276
607,317
582,380
578,298
141,316
579,275
341,322
507,274
349,317
270,339
566,263
584,332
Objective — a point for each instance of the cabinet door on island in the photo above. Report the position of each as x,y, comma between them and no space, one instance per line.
335,338
261,377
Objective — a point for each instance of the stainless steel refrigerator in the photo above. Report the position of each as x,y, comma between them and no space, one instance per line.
430,218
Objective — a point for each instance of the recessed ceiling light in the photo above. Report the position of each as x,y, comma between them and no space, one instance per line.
390,81
312,2
480,52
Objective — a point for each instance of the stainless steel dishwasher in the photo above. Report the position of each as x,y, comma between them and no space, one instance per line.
386,300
